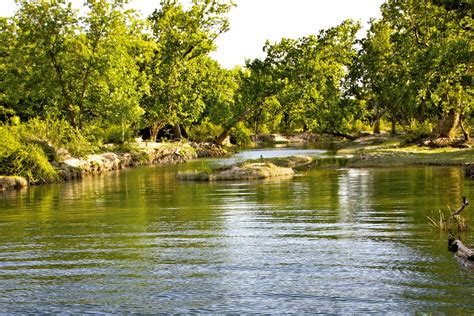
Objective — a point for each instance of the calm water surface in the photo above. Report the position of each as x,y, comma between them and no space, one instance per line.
327,241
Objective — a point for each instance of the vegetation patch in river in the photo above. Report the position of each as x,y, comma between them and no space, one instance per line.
253,169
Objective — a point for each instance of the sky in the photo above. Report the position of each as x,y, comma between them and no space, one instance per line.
253,22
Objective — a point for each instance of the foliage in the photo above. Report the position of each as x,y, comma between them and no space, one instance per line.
117,134
30,148
29,161
313,69
205,131
418,131
20,158
82,68
59,134
416,63
240,135
183,37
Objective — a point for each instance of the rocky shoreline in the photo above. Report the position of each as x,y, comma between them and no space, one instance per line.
70,168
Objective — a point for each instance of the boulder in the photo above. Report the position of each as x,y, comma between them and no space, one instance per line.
12,182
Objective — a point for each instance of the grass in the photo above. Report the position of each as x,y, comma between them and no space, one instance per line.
392,152
449,222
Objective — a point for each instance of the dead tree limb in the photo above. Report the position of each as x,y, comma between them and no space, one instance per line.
460,250
461,222
465,203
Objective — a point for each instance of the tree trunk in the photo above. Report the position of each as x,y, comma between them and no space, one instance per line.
377,125
394,127
177,131
220,139
154,129
377,117
465,132
447,125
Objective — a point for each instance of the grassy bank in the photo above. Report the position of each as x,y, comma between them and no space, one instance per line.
376,151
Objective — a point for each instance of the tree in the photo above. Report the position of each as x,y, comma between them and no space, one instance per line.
373,72
83,68
258,83
184,37
313,69
433,38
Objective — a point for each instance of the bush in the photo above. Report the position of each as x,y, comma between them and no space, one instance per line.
417,131
29,148
28,161
117,135
358,126
205,132
58,134
240,135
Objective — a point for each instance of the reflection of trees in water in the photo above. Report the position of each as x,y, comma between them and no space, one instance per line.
354,192
399,194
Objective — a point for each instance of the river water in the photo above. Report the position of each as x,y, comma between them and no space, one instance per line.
331,240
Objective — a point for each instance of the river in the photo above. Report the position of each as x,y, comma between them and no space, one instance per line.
329,240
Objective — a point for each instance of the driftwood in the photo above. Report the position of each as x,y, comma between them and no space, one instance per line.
455,245
460,250
465,203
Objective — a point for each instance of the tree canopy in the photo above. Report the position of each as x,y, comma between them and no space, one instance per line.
106,69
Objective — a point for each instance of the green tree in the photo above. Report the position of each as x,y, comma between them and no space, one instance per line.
184,38
83,68
433,43
313,69
373,73
257,83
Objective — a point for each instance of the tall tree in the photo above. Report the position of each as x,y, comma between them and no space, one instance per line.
80,67
373,73
313,69
184,37
258,83
434,40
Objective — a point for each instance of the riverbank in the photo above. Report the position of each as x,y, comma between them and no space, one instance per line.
376,151
369,151
140,154
386,151
135,154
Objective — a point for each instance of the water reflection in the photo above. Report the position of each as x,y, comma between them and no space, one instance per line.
328,241
354,188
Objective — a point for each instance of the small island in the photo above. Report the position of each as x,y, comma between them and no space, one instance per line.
251,170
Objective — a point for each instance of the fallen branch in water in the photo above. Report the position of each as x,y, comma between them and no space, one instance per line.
459,249
465,203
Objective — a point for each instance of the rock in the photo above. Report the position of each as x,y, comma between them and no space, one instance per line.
12,182
291,161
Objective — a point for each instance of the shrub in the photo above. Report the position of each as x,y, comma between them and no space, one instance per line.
418,131
28,161
57,133
240,135
29,148
116,134
206,132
